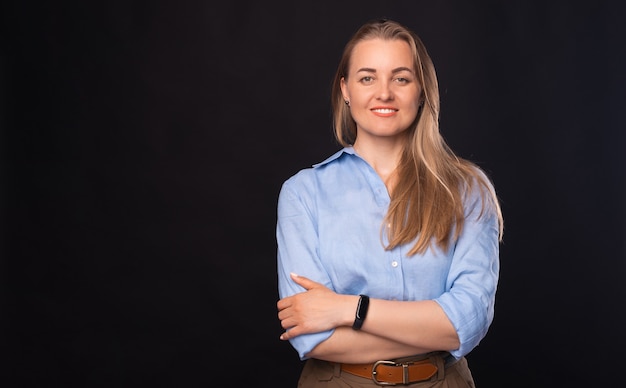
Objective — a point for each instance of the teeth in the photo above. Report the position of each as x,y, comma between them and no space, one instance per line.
384,110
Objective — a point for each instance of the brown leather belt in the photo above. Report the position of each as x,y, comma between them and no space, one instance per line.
393,372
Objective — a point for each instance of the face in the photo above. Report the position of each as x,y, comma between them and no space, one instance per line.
382,89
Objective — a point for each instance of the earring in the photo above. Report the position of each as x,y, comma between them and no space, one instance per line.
347,102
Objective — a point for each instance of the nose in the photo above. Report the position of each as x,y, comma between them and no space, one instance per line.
384,91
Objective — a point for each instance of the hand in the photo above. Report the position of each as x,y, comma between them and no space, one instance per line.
314,310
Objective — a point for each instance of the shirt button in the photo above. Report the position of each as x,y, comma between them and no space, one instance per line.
394,264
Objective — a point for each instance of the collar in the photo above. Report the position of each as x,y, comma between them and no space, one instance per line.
336,155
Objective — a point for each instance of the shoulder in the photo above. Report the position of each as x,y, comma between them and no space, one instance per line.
479,192
310,175
308,179
475,181
482,205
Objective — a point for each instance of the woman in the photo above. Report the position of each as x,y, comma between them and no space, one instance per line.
388,250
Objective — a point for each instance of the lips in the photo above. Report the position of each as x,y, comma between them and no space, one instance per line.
384,111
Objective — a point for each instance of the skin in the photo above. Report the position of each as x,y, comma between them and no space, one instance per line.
384,97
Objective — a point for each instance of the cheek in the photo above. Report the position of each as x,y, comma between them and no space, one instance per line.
412,101
358,98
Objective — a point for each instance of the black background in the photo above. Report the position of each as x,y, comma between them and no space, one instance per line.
144,144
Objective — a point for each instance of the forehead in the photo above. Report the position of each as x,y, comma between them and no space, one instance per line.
381,54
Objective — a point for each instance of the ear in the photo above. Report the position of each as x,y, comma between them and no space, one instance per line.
344,89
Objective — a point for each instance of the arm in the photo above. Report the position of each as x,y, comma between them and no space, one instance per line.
456,320
417,327
318,323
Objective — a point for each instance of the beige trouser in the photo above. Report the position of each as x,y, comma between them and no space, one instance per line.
322,374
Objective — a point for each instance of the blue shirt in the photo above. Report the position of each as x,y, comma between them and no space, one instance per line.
329,230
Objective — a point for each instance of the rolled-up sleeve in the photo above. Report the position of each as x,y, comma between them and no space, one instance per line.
298,249
473,277
327,225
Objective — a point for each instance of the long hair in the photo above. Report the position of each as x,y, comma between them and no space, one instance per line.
427,202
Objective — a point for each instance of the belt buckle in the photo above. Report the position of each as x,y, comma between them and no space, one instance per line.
405,372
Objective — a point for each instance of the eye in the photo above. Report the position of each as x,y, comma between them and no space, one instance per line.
366,79
402,80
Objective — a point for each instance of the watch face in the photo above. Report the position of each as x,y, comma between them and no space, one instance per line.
361,311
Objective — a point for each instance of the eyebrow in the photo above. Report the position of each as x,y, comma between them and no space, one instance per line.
396,70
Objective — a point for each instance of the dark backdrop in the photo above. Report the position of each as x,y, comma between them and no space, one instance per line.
144,144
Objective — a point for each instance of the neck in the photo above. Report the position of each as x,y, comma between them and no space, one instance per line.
384,159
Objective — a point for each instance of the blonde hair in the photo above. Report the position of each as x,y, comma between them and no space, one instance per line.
427,202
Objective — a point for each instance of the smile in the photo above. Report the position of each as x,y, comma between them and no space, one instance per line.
384,110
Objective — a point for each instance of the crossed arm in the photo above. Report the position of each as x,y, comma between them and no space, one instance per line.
391,329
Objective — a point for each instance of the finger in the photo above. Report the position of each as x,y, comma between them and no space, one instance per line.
303,281
284,314
287,323
283,303
287,335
